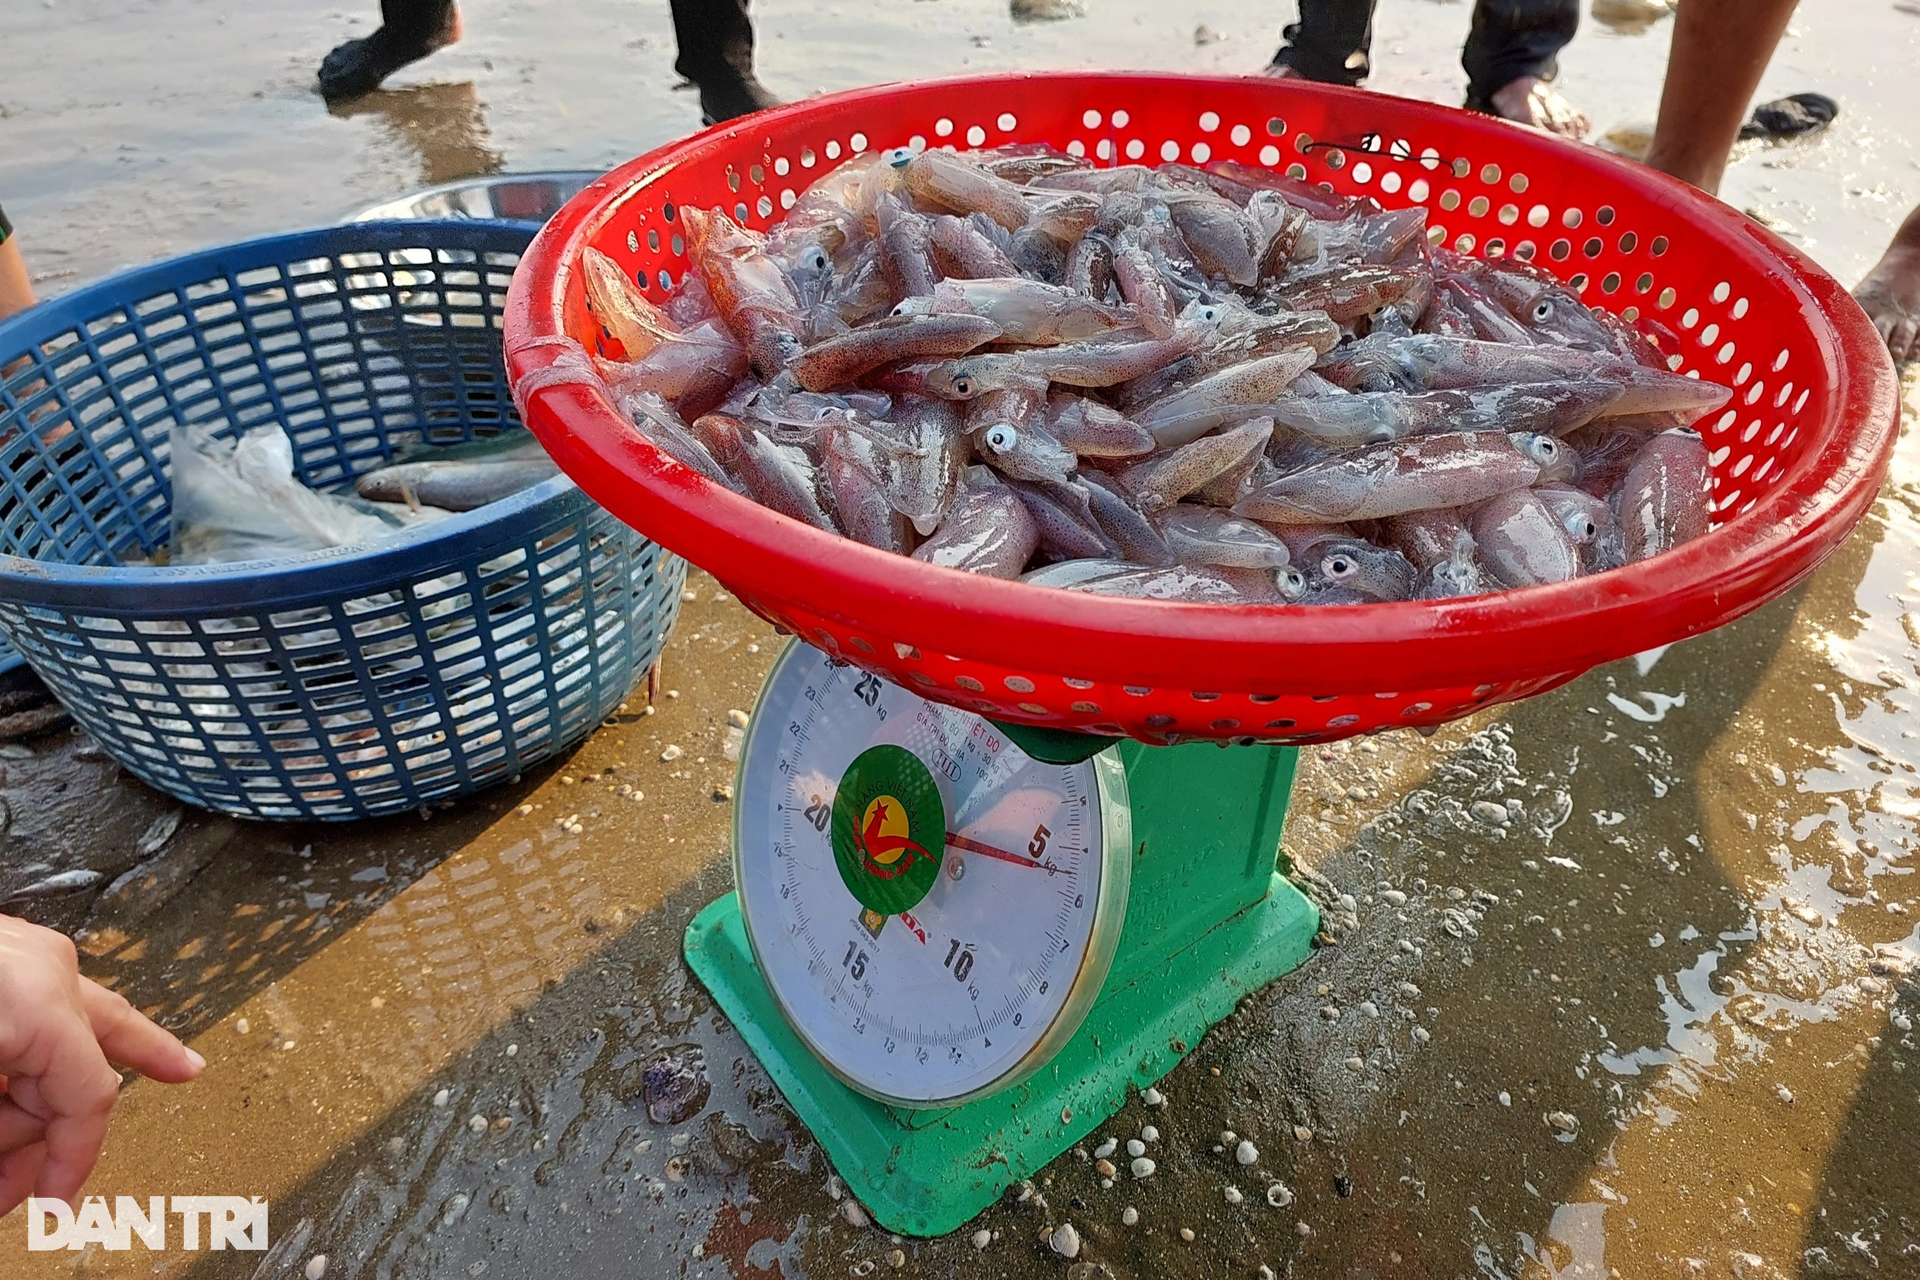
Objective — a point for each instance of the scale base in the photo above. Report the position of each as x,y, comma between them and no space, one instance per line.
1210,920
924,1173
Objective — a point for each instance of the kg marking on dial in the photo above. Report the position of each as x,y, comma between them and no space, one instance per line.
932,908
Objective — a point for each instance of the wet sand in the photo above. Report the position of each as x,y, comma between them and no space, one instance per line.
1658,1024
134,131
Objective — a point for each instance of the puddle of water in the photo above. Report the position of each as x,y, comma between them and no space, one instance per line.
1650,707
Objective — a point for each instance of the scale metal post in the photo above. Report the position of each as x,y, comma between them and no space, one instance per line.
1208,918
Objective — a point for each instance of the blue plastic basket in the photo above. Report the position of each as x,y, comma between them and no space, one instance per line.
338,684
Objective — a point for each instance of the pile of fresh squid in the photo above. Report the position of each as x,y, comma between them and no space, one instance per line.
1218,385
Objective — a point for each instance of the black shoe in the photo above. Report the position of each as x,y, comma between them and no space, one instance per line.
727,95
1790,117
357,67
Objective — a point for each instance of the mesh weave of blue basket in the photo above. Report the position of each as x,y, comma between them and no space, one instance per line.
338,684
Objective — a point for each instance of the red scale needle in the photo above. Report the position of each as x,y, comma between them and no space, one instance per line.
957,841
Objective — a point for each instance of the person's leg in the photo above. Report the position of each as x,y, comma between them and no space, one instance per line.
409,30
422,23
1719,52
1891,292
716,53
1332,42
1512,54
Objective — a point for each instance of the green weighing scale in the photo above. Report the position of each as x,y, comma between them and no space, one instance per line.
953,943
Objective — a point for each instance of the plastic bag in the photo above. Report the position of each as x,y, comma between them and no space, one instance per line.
240,500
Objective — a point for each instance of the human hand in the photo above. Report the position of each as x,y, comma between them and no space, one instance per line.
57,1032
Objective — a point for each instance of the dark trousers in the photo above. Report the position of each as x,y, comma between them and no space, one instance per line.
715,39
715,36
414,22
1510,38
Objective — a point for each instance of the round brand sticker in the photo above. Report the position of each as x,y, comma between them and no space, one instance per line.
889,829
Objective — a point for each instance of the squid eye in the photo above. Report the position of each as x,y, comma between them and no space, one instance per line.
1543,311
963,387
898,156
1545,450
1338,566
1582,529
900,309
1293,583
1001,438
818,261
1209,313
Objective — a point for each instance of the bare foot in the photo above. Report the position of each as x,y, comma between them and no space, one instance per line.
1531,100
1890,294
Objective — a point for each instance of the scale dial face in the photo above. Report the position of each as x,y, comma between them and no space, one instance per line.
933,909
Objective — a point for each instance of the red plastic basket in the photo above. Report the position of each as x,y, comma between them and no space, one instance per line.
1797,457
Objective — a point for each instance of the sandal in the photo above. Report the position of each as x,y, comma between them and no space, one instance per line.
1790,117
